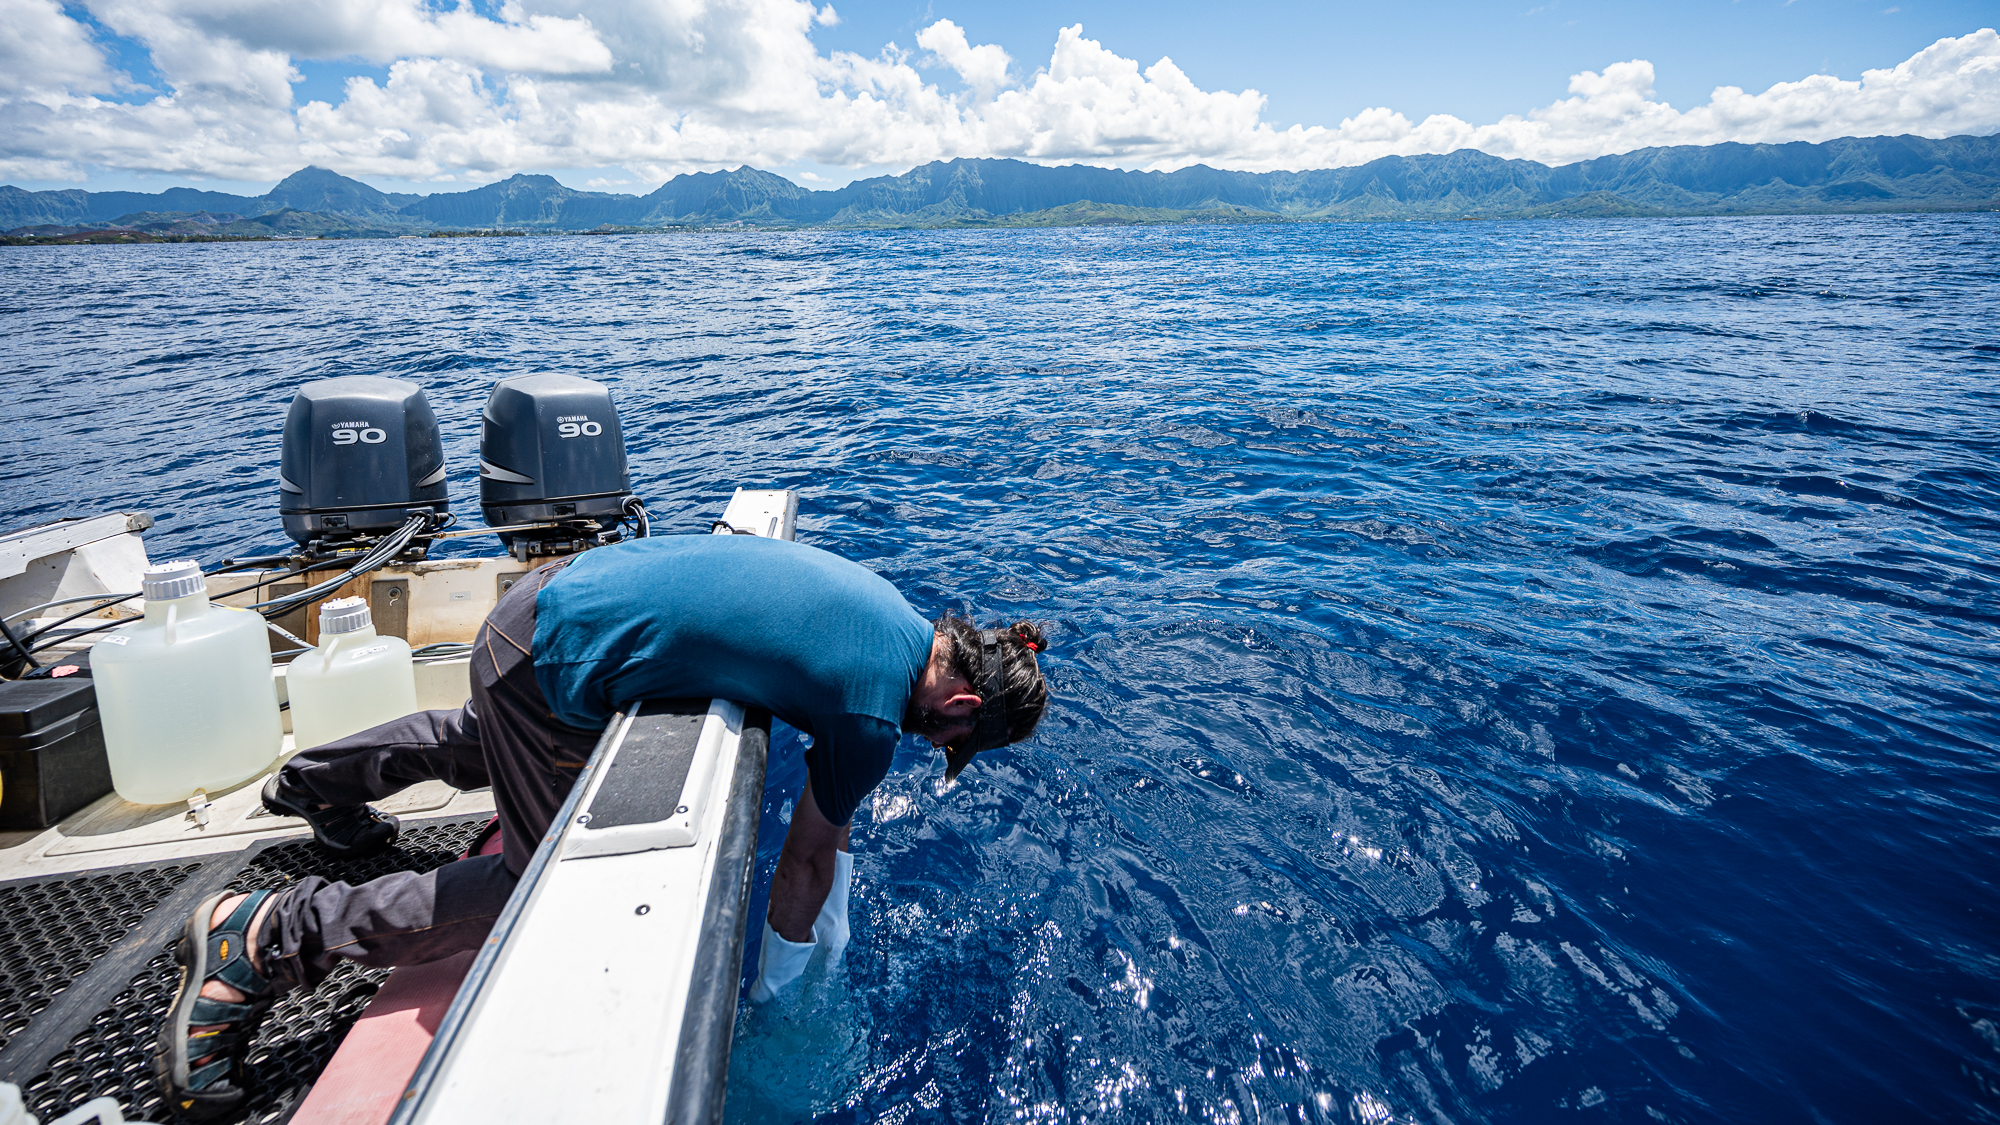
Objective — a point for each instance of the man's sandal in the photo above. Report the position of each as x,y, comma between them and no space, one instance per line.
348,831
203,1091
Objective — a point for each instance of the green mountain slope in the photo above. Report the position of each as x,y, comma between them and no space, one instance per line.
1849,175
330,193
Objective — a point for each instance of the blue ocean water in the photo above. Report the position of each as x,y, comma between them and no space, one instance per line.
1505,672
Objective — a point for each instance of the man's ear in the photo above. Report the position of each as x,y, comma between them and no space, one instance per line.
961,705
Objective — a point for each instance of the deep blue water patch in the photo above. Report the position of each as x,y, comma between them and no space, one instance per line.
1505,672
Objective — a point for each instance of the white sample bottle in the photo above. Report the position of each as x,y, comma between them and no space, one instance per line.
354,680
185,693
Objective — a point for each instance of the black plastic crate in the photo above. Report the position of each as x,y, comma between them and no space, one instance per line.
52,759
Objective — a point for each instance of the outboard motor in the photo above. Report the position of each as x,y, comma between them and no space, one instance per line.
361,454
552,455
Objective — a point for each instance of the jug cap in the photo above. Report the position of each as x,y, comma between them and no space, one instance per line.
344,615
177,579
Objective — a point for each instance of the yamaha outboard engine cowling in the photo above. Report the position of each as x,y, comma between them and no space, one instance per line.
551,453
359,453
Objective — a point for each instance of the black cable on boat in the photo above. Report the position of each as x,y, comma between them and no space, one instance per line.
318,564
636,509
62,621
280,606
27,654
106,599
229,565
75,633
390,546
381,553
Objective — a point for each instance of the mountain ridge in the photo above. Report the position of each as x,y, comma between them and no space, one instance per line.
1867,174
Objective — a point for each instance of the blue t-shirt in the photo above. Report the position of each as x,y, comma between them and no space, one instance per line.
825,644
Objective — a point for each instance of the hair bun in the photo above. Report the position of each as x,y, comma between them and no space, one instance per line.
1030,636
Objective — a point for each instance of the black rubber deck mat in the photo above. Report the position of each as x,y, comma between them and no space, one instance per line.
55,929
97,1036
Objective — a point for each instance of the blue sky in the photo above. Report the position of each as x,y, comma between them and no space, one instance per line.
455,117
1320,62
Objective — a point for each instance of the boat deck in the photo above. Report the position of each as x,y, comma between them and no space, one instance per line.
94,905
87,968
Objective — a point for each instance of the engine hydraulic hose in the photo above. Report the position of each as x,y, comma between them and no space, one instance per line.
390,546
636,508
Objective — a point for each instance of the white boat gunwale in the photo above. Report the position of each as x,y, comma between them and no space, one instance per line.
675,1066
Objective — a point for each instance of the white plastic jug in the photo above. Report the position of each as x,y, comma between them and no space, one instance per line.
185,694
354,680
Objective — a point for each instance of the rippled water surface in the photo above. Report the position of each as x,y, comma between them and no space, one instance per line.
1505,671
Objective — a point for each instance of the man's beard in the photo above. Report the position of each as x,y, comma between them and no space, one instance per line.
925,721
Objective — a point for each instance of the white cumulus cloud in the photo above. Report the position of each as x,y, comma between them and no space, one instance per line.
983,69
665,86
378,31
45,51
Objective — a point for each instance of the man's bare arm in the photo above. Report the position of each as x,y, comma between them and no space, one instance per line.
805,870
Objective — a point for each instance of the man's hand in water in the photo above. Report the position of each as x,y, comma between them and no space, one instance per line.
807,869
805,872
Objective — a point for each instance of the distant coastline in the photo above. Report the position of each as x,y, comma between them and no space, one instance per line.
1851,175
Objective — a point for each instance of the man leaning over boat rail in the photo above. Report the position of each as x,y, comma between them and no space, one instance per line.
824,644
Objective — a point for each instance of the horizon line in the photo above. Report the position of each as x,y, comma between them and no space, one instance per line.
999,160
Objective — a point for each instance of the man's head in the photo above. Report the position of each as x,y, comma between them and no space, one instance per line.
983,689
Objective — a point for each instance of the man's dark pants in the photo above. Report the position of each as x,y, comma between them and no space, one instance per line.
505,736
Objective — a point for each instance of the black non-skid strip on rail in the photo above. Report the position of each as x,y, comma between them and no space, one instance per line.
87,971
